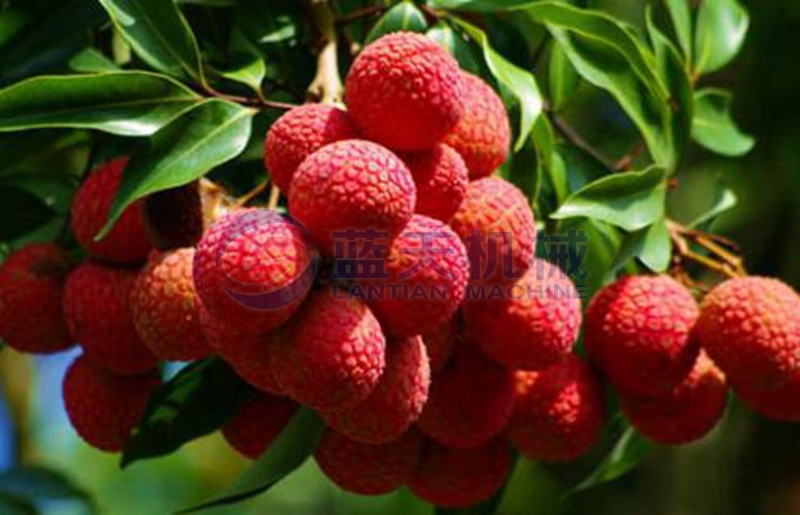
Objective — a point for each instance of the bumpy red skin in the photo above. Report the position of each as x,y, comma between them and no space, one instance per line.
441,342
638,334
299,133
127,242
257,424
404,91
31,284
456,478
534,326
248,353
369,469
397,400
351,184
470,401
686,413
98,315
751,329
103,407
441,178
225,262
335,355
494,209
483,135
781,404
436,260
166,308
559,412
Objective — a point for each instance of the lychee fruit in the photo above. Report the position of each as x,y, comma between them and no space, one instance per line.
369,469
441,178
299,133
174,218
404,91
496,224
687,412
483,135
395,402
426,279
349,189
533,325
103,407
31,285
253,269
257,423
166,308
638,334
559,412
127,242
781,404
750,327
441,342
457,478
470,401
98,315
335,355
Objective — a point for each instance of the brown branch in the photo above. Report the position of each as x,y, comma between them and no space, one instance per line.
719,259
327,84
250,195
274,197
576,139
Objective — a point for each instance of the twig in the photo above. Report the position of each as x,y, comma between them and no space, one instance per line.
577,140
364,12
327,84
719,259
250,195
260,101
274,197
627,160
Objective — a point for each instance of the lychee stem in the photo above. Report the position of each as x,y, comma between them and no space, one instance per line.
327,84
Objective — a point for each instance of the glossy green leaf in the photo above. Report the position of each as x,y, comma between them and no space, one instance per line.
159,34
41,484
246,65
443,34
651,245
290,450
629,200
202,138
12,22
724,200
713,126
196,402
627,453
123,103
21,212
92,61
681,15
721,28
563,78
403,16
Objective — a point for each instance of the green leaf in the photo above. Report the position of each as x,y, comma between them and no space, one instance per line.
724,200
21,212
13,505
403,16
290,450
629,200
713,126
246,65
159,34
651,245
12,22
202,138
92,61
564,80
41,484
122,103
520,82
681,15
443,34
196,402
721,28
627,453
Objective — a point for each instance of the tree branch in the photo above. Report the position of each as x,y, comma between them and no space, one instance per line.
327,84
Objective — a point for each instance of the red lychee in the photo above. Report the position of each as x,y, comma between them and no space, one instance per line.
638,334
299,133
404,91
781,404
127,242
103,407
369,469
349,188
175,218
31,284
441,342
441,178
257,423
483,135
98,315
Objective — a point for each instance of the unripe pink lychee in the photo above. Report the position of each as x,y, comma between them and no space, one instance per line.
351,185
638,334
98,315
533,325
404,91
31,284
166,308
397,400
687,412
103,407
257,423
750,327
335,355
253,269
299,133
441,343
441,178
369,469
127,242
483,135
496,224
456,478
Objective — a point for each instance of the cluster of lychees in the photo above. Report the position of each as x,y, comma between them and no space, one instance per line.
429,391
